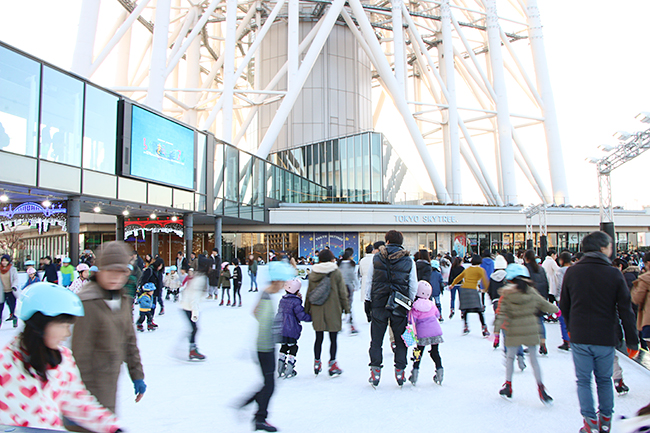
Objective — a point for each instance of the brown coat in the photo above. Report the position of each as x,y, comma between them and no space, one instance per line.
327,317
640,297
101,341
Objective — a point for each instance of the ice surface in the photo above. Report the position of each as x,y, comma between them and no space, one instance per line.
198,396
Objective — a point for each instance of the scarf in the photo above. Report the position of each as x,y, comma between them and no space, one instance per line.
5,269
598,255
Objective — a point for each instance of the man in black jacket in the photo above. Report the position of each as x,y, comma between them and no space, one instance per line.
593,291
392,270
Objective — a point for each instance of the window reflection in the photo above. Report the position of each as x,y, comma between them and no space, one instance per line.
99,130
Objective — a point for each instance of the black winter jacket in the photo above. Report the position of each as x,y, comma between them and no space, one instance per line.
151,276
539,280
391,260
424,270
215,270
593,291
454,272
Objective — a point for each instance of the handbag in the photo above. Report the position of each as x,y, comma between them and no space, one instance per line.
409,335
398,303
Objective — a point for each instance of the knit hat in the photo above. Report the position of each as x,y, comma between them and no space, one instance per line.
113,255
424,289
292,286
6,257
500,262
31,271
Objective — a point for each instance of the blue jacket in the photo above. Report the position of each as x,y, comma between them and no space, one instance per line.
30,281
436,283
291,313
145,302
488,265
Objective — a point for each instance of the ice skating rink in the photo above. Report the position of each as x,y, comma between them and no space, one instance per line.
198,396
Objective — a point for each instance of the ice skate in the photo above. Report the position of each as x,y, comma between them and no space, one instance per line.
353,330
153,324
195,355
506,391
334,369
543,395
282,361
162,312
466,330
542,349
290,371
590,426
221,303
240,303
264,426
151,327
228,304
234,304
485,331
604,423
413,378
439,376
399,377
15,321
621,388
565,346
318,366
451,314
521,362
10,318
375,375
140,328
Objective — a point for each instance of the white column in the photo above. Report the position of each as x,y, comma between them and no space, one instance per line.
398,45
293,41
123,57
158,63
555,158
82,58
192,75
229,79
504,130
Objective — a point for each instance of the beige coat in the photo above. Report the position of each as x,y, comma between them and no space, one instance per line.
640,297
102,340
327,317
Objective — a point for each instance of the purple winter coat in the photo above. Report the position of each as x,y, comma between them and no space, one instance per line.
292,313
425,315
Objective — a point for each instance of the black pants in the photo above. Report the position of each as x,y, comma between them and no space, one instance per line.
435,355
193,326
380,319
263,396
145,315
157,297
318,344
10,300
464,314
236,291
225,290
289,349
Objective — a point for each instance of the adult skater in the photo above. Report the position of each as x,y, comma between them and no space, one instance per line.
470,301
9,282
517,315
252,272
35,362
325,279
279,272
593,292
394,275
104,338
347,268
214,275
191,298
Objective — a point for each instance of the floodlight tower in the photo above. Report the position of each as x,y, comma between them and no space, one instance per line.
630,146
270,75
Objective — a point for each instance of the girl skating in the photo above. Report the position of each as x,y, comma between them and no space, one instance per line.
290,314
426,317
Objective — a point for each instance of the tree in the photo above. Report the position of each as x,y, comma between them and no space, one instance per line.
11,241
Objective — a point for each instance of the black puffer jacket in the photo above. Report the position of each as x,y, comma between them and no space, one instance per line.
539,280
215,270
392,270
424,270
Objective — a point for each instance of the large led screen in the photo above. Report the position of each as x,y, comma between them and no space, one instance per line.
161,150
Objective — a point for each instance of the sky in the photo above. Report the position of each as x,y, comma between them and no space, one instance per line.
595,57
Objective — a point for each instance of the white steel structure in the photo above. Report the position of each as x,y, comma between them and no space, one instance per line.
468,78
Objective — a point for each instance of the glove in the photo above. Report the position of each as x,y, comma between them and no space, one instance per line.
551,299
139,386
195,317
367,308
496,341
632,351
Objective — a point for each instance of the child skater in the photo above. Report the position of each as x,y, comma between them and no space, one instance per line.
425,316
517,316
224,282
279,272
146,302
237,278
290,313
173,283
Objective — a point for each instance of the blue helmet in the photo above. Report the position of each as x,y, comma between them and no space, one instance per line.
30,263
149,287
281,271
94,269
514,270
435,264
48,299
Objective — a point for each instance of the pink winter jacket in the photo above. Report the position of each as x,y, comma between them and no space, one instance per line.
425,315
27,401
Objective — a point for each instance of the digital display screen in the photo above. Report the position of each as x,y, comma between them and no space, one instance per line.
161,150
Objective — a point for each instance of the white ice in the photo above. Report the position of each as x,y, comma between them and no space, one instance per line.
199,396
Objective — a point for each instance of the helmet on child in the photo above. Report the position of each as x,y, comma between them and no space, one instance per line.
30,263
50,300
31,271
424,289
172,268
514,271
82,267
435,264
66,260
292,286
149,287
94,269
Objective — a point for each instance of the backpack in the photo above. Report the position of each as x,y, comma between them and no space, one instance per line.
321,292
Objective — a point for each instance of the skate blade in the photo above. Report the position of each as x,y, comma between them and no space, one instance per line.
196,360
622,393
506,398
548,403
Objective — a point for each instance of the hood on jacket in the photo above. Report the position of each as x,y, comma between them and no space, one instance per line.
498,275
395,255
423,305
324,268
516,296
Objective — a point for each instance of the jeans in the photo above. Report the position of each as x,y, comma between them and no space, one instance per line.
193,326
10,300
253,279
157,298
263,396
565,333
453,291
590,359
380,319
542,331
511,352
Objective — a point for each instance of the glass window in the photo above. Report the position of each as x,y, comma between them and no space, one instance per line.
507,241
258,182
201,162
344,169
375,165
358,168
61,114
218,169
245,184
520,242
495,242
19,92
100,131
350,154
336,182
316,162
483,242
231,174
365,148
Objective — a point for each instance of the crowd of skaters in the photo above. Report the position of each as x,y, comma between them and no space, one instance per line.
588,293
